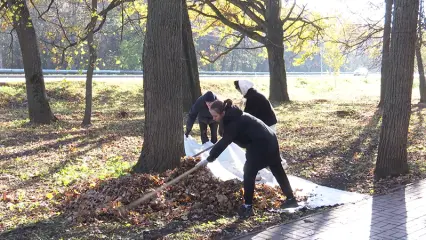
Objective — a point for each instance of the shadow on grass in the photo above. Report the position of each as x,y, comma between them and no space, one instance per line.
83,141
348,159
359,156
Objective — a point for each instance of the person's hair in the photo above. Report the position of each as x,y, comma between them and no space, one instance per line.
220,107
237,86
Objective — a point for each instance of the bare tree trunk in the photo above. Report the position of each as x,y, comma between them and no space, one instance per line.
163,134
422,80
191,80
275,47
392,152
385,51
38,106
87,120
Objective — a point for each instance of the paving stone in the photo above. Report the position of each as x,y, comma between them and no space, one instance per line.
399,215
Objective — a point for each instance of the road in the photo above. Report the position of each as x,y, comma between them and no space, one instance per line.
14,78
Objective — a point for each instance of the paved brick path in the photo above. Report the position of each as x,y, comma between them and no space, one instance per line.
398,215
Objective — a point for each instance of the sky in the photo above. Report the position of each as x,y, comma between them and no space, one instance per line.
355,10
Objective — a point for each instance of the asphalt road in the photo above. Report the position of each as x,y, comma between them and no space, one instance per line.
119,78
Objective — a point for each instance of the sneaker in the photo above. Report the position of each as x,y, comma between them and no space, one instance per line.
245,211
289,203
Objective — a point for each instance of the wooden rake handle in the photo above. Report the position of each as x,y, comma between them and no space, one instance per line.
168,184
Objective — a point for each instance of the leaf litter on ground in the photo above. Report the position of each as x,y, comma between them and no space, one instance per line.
199,197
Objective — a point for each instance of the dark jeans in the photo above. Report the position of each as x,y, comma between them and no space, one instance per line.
213,130
250,171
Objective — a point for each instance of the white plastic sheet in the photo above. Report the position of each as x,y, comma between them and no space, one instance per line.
229,165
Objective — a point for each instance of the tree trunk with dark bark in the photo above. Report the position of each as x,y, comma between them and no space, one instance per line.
87,120
385,51
275,47
392,152
190,76
38,106
422,79
163,135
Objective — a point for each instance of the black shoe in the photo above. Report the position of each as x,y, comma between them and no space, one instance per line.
245,211
289,203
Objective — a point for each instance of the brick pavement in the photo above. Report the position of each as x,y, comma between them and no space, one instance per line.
397,215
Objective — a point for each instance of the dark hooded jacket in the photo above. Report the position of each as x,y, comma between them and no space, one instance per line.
250,133
200,110
256,104
259,106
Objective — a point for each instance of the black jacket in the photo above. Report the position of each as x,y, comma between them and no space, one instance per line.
250,133
259,106
200,110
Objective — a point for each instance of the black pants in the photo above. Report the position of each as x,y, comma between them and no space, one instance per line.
213,130
250,171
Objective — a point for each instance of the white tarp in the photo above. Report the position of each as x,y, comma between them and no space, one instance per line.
229,165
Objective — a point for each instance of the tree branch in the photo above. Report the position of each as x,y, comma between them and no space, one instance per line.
291,11
288,16
253,35
122,23
245,8
225,52
89,27
40,15
258,6
3,5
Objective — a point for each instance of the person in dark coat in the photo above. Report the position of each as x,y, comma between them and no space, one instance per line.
200,110
261,146
257,104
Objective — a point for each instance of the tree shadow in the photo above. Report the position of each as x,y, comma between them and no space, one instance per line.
389,214
60,165
419,127
359,154
125,126
54,145
93,139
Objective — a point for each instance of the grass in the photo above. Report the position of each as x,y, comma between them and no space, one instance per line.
328,134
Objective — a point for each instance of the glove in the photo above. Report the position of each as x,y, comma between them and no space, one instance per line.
202,163
186,134
210,159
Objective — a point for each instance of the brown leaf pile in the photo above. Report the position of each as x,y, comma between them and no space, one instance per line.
197,197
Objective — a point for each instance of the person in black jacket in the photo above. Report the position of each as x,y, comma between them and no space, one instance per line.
256,104
200,109
261,146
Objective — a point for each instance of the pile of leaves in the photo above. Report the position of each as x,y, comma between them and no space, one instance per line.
200,196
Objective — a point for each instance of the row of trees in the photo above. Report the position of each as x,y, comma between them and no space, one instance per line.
398,70
169,42
122,44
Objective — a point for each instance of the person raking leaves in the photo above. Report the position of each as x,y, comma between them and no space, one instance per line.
258,106
261,146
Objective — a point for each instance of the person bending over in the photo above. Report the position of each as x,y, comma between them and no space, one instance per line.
261,146
200,110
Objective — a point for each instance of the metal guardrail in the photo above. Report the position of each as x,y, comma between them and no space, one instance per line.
135,72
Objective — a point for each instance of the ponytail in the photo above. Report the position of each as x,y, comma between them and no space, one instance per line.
227,104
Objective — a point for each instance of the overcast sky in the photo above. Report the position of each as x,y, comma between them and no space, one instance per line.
350,9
